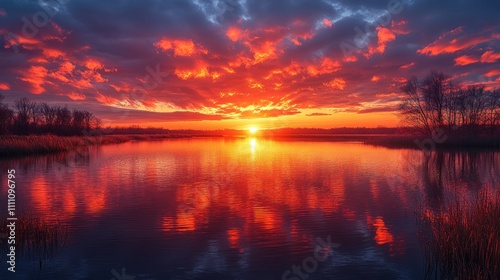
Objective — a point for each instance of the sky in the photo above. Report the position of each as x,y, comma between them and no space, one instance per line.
203,64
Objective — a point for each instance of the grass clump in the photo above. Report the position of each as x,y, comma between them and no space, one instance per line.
37,237
462,240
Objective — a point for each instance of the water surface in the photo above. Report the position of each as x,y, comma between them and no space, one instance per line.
238,208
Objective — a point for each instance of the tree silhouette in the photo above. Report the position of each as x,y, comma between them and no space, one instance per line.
436,103
39,118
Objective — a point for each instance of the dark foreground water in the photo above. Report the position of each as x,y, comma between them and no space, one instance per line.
236,209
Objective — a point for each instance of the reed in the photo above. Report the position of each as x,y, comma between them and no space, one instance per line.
462,240
13,145
37,237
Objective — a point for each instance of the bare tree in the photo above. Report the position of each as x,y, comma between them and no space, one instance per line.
413,107
25,115
493,110
6,117
435,102
48,116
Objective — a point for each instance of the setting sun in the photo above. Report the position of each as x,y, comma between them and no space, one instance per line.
253,130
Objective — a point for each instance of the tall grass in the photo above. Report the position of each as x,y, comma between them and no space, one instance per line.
14,145
462,240
37,237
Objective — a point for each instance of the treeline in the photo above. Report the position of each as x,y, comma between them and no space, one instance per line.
436,103
28,117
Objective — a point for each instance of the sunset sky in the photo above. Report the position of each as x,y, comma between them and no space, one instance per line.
241,63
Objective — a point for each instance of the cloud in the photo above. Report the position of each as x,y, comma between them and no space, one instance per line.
239,60
318,114
490,57
465,60
454,41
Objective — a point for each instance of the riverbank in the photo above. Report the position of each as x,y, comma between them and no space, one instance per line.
14,145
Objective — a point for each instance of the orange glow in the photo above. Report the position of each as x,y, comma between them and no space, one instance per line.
4,86
326,66
492,73
234,33
406,66
52,53
384,36
382,234
35,76
200,71
450,42
180,47
465,60
327,22
336,83
233,237
490,57
76,96
93,64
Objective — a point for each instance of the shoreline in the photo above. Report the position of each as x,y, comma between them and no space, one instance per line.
12,146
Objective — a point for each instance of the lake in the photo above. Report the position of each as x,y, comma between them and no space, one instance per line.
242,208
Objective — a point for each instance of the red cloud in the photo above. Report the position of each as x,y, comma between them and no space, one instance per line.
180,47
327,22
326,66
450,43
490,57
4,86
35,76
337,83
465,60
384,36
406,66
492,73
74,96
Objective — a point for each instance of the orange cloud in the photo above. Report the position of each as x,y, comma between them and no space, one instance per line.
383,95
35,76
326,66
327,22
106,99
375,78
384,36
337,83
399,27
180,47
490,57
450,43
74,96
4,86
492,73
201,70
300,30
465,60
65,69
52,53
27,43
235,34
264,51
406,66
93,64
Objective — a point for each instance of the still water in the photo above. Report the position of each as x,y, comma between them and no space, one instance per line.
237,208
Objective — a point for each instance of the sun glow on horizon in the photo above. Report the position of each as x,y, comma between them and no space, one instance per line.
253,130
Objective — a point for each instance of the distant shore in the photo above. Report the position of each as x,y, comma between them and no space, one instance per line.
14,145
